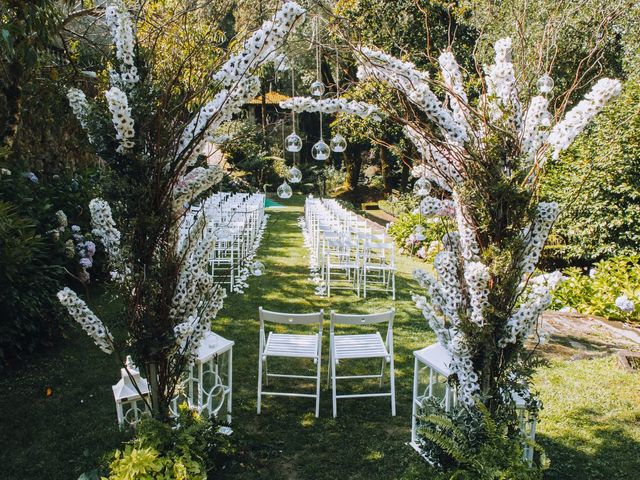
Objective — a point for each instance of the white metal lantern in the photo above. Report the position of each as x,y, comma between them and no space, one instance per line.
130,402
320,151
430,379
284,190
207,387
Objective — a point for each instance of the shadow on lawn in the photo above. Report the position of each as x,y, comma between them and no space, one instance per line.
610,453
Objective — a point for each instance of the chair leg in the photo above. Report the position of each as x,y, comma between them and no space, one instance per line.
318,388
328,281
365,282
393,387
393,285
259,381
384,360
333,389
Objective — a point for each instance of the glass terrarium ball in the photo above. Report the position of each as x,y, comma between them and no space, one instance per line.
320,151
295,175
545,84
317,88
257,268
338,143
284,190
293,143
422,187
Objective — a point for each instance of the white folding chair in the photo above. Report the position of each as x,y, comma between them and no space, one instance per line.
290,345
367,345
379,267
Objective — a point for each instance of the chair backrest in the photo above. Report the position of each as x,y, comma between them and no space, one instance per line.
363,319
290,318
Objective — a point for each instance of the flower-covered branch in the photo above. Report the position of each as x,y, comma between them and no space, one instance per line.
331,105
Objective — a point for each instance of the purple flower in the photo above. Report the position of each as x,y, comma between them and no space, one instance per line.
624,304
86,262
91,248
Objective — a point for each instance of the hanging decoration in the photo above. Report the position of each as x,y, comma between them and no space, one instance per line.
320,151
284,190
295,175
338,143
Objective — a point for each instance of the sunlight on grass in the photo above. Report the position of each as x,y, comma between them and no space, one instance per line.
308,420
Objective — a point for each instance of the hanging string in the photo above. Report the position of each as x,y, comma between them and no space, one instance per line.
337,73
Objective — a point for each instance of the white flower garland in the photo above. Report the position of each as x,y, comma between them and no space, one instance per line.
331,105
260,47
194,183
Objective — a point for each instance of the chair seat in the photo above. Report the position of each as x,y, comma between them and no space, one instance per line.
377,266
368,345
291,345
338,264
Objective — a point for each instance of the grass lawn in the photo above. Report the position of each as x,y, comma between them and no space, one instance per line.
590,425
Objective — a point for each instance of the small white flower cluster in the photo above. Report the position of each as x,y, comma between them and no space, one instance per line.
535,129
536,235
121,26
79,105
194,183
431,206
314,267
469,248
85,317
121,118
61,217
260,47
220,109
564,133
104,228
625,304
501,84
476,274
414,84
455,90
520,324
331,105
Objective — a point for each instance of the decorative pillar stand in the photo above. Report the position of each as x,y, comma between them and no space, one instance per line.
430,379
130,404
207,385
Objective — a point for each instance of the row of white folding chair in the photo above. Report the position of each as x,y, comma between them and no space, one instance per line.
341,347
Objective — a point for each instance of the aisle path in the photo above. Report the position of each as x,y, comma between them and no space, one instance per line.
287,441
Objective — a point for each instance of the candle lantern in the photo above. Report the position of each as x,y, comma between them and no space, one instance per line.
130,402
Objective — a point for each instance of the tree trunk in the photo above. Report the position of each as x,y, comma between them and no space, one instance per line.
385,169
353,165
404,178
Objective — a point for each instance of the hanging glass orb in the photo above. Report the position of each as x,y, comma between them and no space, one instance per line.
284,190
317,88
422,187
418,233
338,143
320,151
293,143
257,268
295,175
545,84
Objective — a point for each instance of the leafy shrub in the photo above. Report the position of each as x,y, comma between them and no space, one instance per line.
611,289
468,444
403,231
28,284
397,205
36,253
188,450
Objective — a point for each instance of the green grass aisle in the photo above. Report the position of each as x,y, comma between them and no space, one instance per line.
286,440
